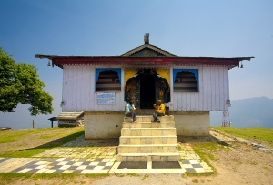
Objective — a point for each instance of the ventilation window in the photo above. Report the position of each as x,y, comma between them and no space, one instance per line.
185,80
108,79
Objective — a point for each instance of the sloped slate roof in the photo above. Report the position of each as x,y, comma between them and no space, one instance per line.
69,115
150,47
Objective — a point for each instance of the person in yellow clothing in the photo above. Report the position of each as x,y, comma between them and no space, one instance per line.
160,110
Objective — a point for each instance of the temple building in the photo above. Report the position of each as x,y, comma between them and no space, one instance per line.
101,85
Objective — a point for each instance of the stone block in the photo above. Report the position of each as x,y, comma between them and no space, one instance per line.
192,123
103,125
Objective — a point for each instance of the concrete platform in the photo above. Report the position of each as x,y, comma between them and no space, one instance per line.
167,156
148,140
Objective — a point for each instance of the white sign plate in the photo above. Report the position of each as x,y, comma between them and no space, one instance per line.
106,98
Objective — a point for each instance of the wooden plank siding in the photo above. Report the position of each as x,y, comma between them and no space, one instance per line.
79,90
212,90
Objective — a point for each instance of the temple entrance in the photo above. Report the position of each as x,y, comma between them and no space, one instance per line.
145,88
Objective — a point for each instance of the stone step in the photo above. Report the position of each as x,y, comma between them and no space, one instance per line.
144,112
165,119
140,119
136,140
148,132
167,156
145,140
152,148
170,124
149,118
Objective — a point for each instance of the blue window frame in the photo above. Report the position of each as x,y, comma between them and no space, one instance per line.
108,79
185,80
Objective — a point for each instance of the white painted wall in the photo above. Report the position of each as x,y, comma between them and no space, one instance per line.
213,90
79,90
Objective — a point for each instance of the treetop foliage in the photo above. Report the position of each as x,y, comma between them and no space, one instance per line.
20,83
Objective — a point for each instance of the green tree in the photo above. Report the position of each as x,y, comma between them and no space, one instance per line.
20,83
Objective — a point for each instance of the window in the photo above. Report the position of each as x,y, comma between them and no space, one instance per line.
185,80
108,79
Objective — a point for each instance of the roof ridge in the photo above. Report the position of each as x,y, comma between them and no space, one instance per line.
149,46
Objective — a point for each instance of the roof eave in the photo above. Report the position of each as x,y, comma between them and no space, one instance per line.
61,60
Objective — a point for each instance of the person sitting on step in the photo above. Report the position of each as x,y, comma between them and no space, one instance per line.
160,110
130,110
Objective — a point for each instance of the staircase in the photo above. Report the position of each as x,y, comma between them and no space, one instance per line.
145,140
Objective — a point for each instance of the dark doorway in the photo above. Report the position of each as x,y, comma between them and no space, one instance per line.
147,89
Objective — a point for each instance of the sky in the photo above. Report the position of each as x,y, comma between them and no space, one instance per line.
214,28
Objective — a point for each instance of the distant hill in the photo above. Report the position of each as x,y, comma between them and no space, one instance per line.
21,118
252,112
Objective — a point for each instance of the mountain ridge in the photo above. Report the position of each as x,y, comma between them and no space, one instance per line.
249,112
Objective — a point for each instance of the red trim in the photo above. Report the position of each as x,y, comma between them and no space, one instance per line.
60,61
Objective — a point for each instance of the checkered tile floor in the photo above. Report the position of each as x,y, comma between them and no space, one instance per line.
183,166
195,166
97,160
64,165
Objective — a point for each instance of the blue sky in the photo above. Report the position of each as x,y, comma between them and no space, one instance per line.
106,27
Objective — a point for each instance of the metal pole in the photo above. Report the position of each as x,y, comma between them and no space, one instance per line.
33,124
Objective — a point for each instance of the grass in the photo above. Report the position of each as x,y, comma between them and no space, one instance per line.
260,134
22,153
27,143
206,151
14,135
6,178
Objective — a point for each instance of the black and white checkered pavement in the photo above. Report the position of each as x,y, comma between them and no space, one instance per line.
101,165
64,165
194,166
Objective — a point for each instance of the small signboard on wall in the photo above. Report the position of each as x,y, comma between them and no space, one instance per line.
106,98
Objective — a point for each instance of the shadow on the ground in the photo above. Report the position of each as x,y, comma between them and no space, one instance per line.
76,140
200,139
82,142
193,139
